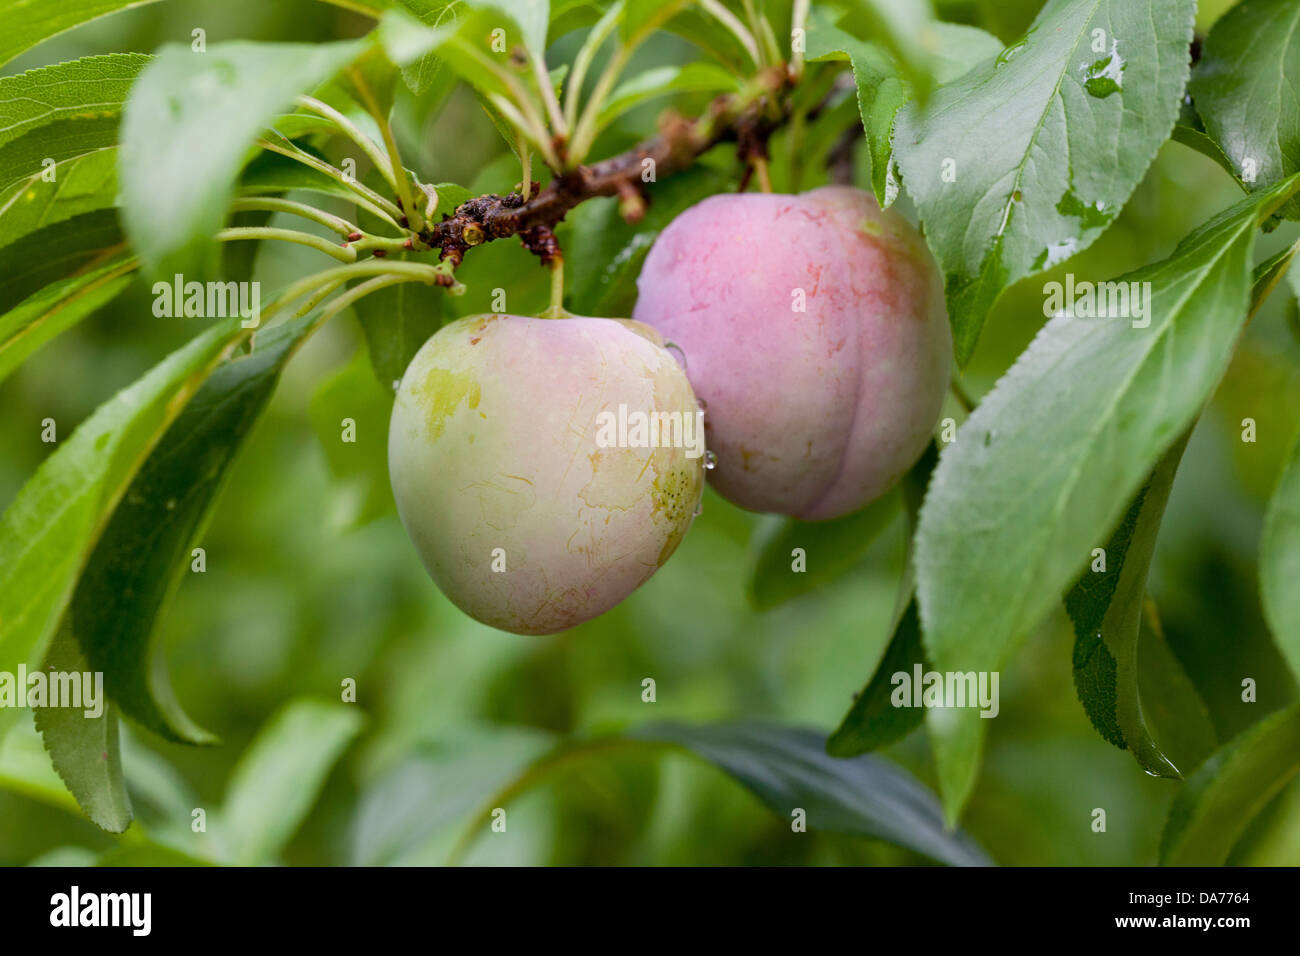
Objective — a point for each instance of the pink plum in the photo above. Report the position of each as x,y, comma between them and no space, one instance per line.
529,507
815,333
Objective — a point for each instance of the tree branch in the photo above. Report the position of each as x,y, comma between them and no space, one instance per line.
747,121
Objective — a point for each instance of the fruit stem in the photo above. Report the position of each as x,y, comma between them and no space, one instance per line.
556,309
963,397
764,175
342,253
350,129
294,208
397,172
798,19
366,198
729,20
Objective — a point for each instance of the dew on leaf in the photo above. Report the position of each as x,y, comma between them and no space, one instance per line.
1104,77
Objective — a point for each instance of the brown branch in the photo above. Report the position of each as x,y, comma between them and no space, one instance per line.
731,118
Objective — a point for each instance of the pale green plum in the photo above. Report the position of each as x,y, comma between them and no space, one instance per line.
814,330
528,508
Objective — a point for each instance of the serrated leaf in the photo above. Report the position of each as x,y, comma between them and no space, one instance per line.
881,88
1053,455
830,548
187,127
1244,89
788,768
1227,791
1107,608
423,72
93,87
145,549
29,22
58,130
50,528
84,750
280,775
57,307
1026,159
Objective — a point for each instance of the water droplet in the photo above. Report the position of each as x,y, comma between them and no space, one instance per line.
699,506
1093,215
1105,76
1006,55
171,504
670,344
710,460
397,383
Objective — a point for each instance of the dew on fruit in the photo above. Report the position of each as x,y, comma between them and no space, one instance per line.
710,460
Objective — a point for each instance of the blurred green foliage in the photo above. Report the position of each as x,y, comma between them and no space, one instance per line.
310,579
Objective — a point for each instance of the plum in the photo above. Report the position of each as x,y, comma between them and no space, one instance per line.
529,506
815,333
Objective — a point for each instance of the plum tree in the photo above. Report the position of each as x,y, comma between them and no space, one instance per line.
528,513
814,330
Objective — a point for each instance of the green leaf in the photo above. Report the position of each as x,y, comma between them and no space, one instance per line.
874,720
25,768
91,88
84,749
49,530
279,776
1244,88
145,550
882,89
29,22
1051,458
1228,790
1026,159
830,548
1279,563
1107,608
422,74
177,179
58,130
57,307
907,30
64,248
788,769
83,183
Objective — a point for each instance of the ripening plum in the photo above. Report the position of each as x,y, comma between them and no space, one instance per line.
815,333
531,506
